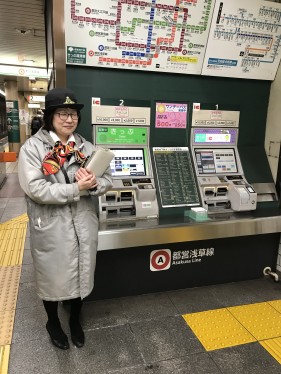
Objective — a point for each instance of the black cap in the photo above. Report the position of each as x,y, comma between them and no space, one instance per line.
61,98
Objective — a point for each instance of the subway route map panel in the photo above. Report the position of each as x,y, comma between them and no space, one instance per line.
154,35
244,40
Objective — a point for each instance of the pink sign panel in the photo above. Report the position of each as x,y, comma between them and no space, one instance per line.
171,115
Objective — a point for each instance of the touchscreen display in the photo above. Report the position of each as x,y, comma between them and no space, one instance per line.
216,161
219,137
128,162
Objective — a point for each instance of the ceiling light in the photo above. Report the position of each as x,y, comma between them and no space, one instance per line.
2,93
28,62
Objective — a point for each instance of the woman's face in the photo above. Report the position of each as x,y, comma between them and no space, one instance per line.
65,121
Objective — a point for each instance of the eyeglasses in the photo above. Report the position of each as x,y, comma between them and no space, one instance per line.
64,115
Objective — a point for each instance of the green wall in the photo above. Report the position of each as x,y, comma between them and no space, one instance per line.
249,96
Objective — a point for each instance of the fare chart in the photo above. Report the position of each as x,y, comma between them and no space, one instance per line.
155,35
176,180
244,40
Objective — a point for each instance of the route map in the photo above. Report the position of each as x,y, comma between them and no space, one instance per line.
244,40
154,35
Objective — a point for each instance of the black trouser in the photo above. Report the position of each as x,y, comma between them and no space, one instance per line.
51,308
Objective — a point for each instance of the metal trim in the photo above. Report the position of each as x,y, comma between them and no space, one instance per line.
137,237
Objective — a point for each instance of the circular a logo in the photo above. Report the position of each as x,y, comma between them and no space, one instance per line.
160,260
190,45
21,71
91,53
101,47
91,33
88,10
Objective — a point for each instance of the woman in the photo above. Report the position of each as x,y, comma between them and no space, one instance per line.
63,222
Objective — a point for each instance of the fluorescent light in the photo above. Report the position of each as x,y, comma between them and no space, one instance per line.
28,62
33,105
2,93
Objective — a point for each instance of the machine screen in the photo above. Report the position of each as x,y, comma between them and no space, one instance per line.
128,162
217,136
216,161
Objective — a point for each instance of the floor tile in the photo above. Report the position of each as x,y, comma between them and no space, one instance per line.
107,349
27,273
27,257
27,296
194,300
231,294
150,306
29,324
27,240
200,363
273,346
103,313
40,357
265,289
261,320
245,359
217,329
3,202
165,338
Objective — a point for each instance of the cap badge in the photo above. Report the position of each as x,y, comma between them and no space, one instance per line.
68,100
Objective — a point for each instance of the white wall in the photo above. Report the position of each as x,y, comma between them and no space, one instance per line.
273,124
273,134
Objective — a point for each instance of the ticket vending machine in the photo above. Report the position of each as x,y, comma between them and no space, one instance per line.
219,171
133,196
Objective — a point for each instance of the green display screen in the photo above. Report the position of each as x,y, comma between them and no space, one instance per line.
200,138
121,135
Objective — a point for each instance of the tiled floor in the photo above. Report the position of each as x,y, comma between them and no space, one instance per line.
133,335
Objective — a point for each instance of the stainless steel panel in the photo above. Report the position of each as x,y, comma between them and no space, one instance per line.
265,191
161,234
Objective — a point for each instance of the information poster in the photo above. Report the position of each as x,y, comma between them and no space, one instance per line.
171,115
176,182
13,121
244,40
158,35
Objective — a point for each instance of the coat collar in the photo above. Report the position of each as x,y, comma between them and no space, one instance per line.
49,142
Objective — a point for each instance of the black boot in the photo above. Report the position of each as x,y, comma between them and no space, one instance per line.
53,326
58,337
77,333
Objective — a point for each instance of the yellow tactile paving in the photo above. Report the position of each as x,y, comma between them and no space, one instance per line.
4,359
23,218
218,329
9,281
276,304
261,320
6,326
273,346
12,238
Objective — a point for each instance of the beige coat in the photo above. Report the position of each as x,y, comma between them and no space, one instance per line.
63,223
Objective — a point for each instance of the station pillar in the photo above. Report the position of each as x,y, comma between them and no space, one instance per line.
23,118
12,105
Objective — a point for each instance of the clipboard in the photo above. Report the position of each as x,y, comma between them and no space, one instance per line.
99,161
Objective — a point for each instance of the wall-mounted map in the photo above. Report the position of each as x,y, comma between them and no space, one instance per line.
155,35
244,40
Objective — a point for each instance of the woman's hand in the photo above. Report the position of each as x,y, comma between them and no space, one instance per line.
86,179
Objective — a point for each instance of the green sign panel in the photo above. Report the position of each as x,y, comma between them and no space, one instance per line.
76,55
121,135
13,121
